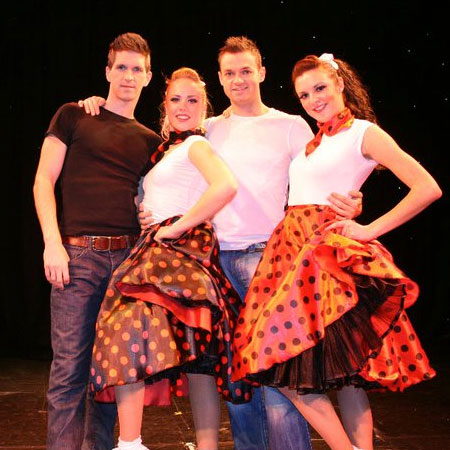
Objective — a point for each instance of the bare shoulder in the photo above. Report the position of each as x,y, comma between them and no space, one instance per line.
375,140
375,133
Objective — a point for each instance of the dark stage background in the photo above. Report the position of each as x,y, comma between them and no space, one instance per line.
55,52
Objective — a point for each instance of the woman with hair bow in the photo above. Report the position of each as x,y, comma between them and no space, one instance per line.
326,308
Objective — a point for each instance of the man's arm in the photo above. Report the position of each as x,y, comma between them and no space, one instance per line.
346,206
50,165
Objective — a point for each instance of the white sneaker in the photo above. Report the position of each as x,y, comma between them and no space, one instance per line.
134,445
141,447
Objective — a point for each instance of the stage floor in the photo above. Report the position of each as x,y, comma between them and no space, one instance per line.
418,419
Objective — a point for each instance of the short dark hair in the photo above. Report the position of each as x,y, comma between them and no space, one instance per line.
132,42
239,44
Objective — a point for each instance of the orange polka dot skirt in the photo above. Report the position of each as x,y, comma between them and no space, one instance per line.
324,311
168,310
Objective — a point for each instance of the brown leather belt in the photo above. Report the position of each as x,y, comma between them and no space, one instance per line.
101,242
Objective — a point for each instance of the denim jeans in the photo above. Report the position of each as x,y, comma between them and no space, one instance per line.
269,420
76,421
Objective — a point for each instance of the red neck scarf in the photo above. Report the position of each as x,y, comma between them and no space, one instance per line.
337,123
175,137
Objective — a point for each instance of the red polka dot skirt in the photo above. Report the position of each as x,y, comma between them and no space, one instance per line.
168,310
324,311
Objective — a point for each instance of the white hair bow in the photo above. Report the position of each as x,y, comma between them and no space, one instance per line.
329,58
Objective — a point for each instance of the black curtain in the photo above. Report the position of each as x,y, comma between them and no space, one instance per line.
56,53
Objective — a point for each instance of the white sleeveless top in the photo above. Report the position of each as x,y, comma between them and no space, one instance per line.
173,185
336,165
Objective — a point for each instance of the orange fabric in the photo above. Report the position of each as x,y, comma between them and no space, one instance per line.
168,309
339,122
305,282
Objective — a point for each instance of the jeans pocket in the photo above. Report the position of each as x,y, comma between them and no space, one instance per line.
75,252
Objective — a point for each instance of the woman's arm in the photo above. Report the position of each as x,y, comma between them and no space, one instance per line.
424,190
221,190
92,105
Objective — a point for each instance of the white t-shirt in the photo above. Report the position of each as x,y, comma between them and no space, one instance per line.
173,185
336,165
258,150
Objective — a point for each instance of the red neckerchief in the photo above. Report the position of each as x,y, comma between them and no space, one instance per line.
339,122
175,137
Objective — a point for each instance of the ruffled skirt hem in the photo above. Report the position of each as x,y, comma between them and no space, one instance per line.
324,311
168,310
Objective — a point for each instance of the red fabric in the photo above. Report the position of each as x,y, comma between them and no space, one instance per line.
156,394
199,317
339,122
168,309
306,282
175,137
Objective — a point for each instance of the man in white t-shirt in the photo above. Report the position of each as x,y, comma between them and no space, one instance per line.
258,143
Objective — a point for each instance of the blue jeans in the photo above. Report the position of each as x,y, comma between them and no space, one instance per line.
269,420
74,421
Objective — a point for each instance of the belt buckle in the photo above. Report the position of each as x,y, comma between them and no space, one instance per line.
108,238
256,247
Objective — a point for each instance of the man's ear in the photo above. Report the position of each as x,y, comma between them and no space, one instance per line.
149,77
262,74
220,77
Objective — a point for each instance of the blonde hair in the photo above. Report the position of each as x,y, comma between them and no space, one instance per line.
190,74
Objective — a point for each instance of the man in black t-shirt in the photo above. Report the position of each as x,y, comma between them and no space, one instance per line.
98,162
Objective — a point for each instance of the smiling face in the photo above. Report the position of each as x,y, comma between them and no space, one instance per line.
240,75
127,76
185,104
320,93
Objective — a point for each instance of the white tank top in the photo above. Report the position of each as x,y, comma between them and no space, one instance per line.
173,185
336,165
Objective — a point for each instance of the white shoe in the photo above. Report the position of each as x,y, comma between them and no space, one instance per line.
134,445
190,446
141,447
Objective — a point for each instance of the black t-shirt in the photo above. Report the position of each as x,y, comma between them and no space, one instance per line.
106,156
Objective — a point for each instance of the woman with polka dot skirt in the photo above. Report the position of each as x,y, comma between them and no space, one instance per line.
326,308
169,308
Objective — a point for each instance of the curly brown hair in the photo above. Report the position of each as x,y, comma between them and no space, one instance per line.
356,96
